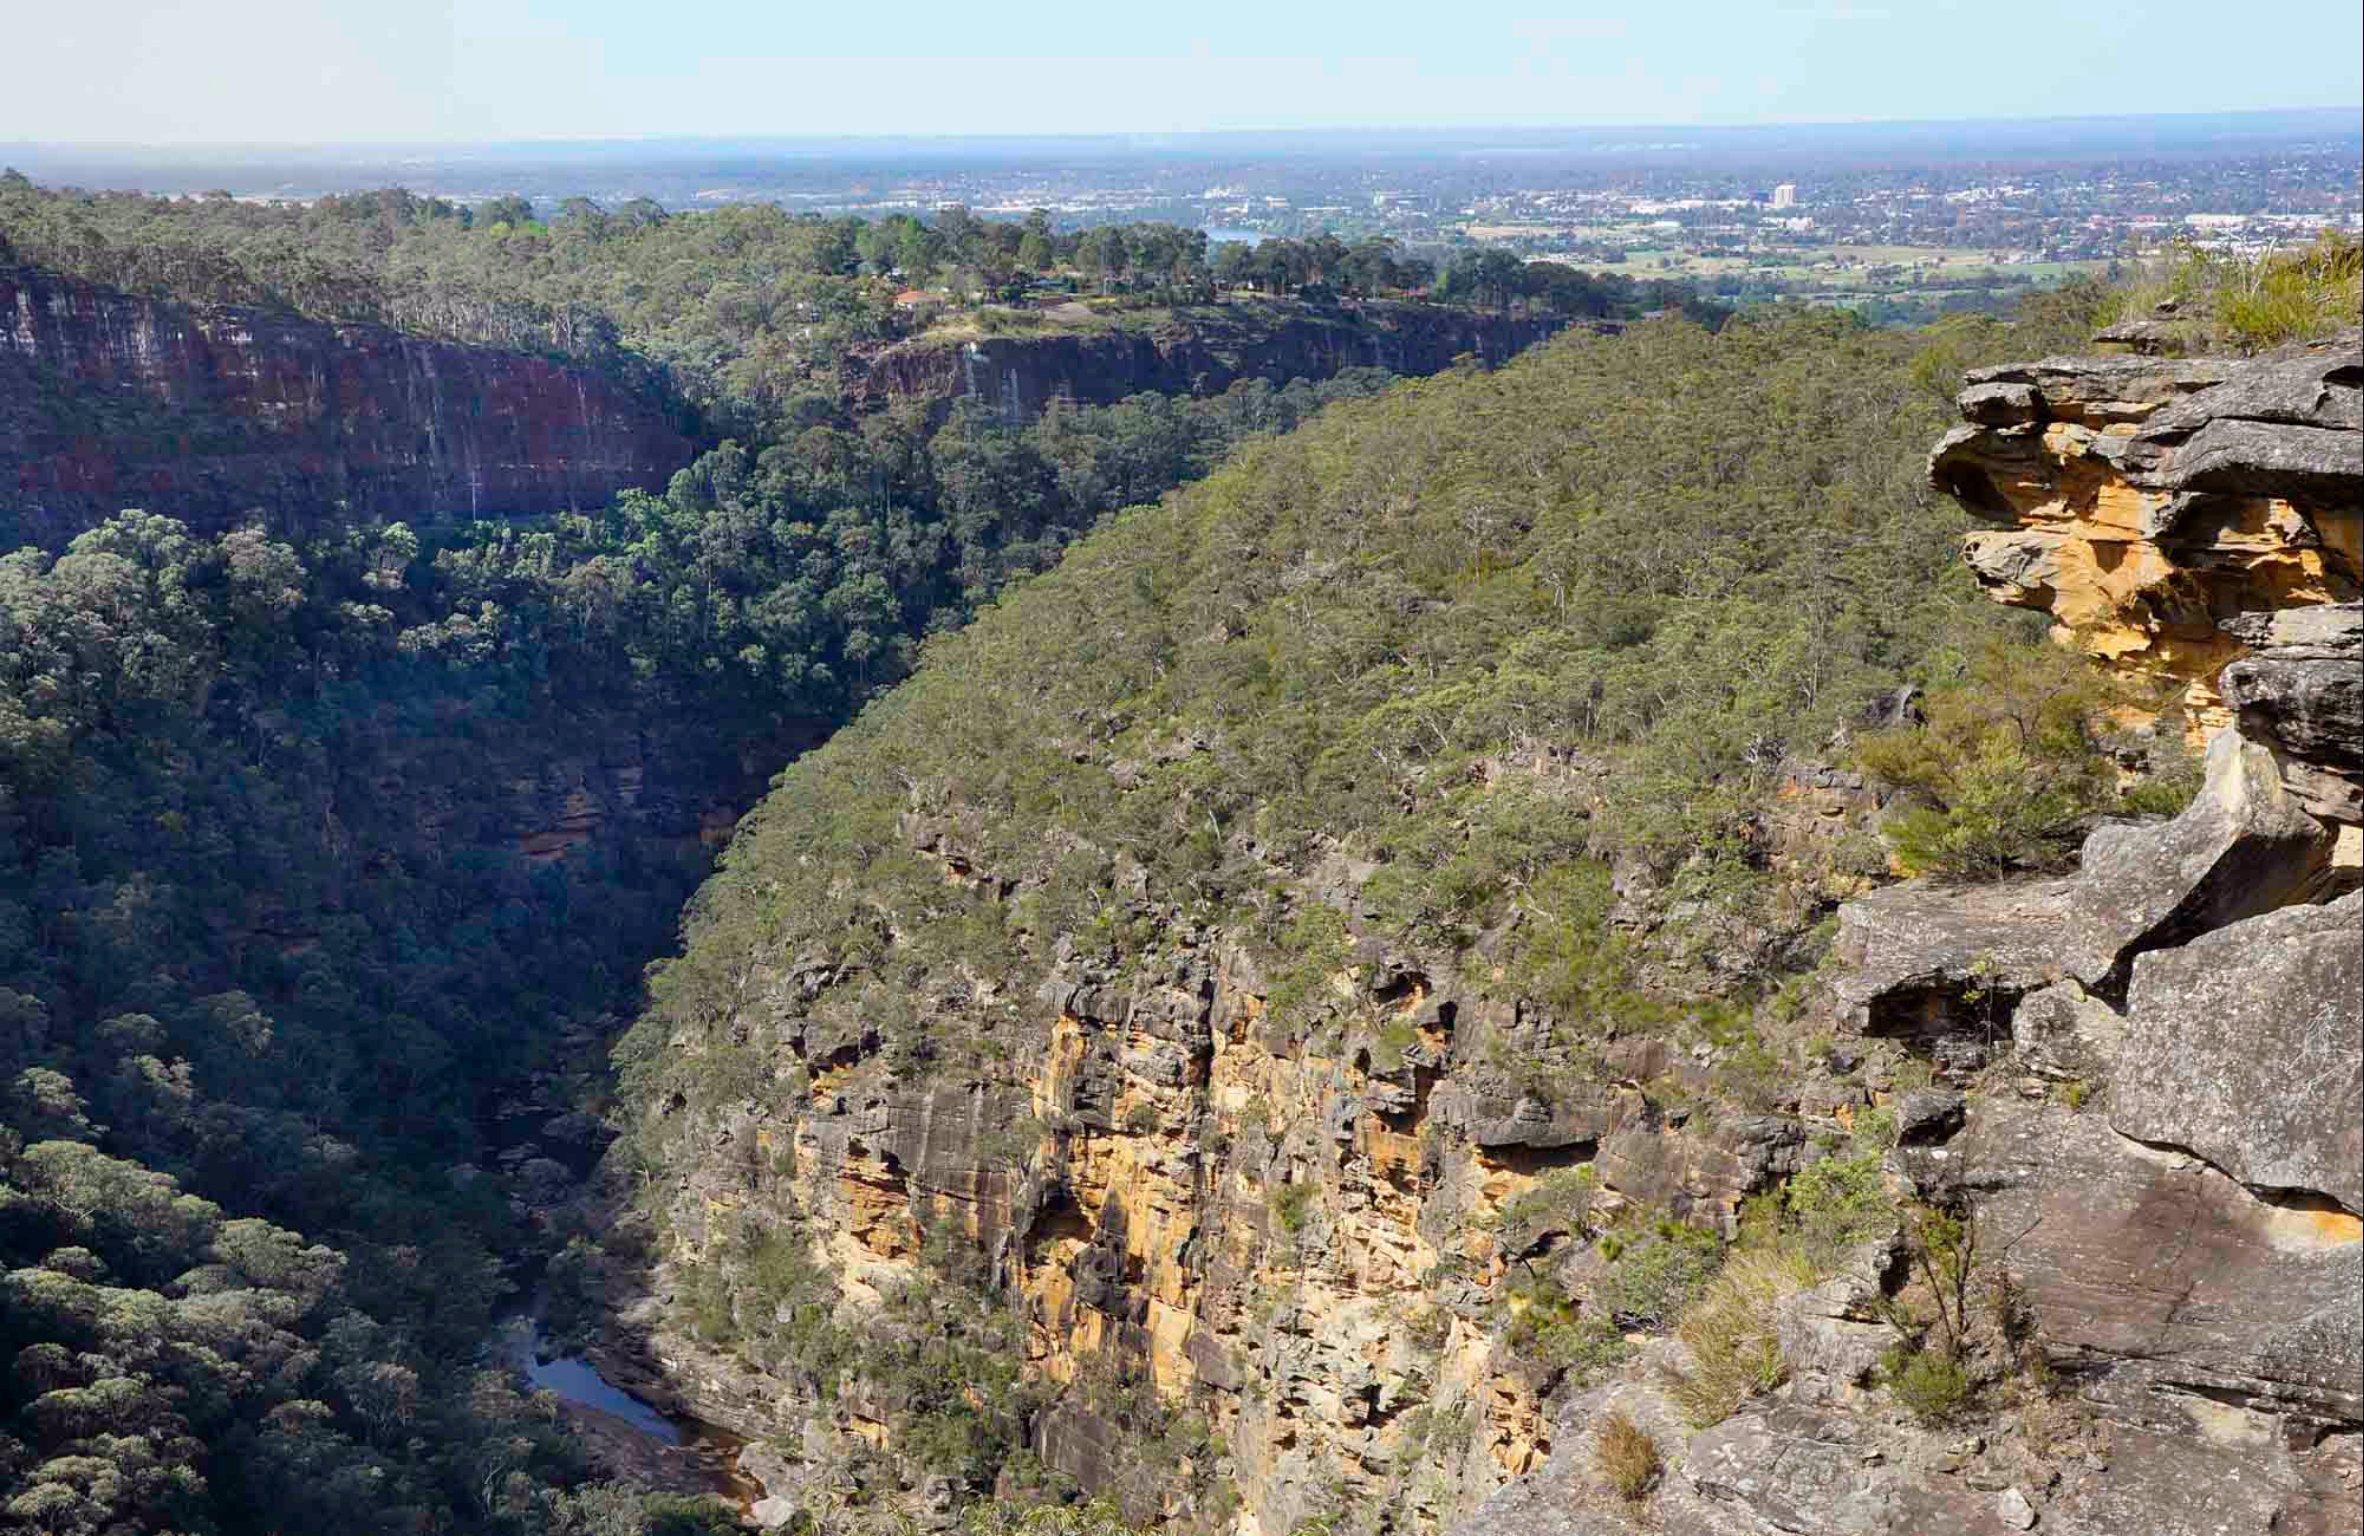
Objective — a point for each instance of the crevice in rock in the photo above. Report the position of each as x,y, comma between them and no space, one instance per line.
2296,1201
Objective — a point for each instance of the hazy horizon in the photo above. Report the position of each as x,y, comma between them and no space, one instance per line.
280,74
1407,134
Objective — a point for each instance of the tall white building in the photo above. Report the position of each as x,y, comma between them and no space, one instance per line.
1786,195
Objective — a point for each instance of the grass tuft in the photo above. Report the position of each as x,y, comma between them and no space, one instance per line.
1729,1331
1627,1457
2250,303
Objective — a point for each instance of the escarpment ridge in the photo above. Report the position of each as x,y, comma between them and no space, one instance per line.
210,413
1199,351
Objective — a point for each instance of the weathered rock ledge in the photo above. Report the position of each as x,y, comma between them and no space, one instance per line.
2148,502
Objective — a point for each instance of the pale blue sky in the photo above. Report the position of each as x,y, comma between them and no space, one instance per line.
309,71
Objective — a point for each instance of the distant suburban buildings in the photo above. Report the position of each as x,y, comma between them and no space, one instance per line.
1786,195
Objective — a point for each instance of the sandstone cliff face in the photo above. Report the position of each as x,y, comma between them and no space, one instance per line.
109,400
2146,502
1295,1245
1308,1247
1200,352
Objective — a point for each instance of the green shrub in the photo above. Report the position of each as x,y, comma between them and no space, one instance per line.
1549,1327
1838,1201
2009,765
1560,1201
1652,1278
1292,1207
2251,302
1394,1039
1931,1384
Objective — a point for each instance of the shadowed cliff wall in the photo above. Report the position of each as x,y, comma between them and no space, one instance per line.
109,400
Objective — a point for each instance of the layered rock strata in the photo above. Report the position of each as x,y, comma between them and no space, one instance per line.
2148,503
210,414
1198,352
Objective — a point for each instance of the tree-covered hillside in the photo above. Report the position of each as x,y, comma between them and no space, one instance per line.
746,312
1676,557
1503,677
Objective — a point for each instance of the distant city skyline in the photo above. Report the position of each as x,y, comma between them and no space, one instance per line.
445,72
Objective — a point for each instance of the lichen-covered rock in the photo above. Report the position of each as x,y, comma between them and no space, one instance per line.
2242,1047
1493,1117
2148,1271
1832,1335
2062,1031
2145,500
2181,1484
1799,1471
2301,693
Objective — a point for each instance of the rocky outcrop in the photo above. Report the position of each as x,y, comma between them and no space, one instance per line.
1944,963
1197,352
2151,1276
2149,1109
210,414
2146,502
2241,1047
2300,691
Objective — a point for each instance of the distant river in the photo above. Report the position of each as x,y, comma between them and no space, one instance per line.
636,1439
576,1380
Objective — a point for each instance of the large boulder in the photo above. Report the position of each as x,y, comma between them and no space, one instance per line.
2301,692
2178,1484
2242,1048
2243,846
1785,1469
1930,959
2147,1271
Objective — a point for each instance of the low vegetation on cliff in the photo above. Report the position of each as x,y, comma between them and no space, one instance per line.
2199,299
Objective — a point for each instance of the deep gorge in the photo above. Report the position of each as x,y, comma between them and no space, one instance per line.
1241,943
